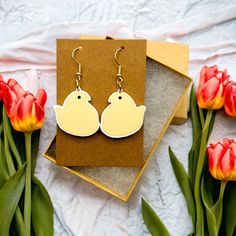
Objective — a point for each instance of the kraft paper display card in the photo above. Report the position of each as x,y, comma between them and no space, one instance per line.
99,71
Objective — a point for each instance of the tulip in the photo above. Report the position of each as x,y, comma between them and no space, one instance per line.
230,99
26,113
222,159
25,110
212,87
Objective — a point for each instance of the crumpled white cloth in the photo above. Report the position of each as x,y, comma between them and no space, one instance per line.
209,29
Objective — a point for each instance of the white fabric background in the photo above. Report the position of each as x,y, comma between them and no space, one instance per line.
209,27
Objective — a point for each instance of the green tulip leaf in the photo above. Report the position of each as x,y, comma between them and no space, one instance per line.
8,133
10,195
152,221
230,212
195,115
3,165
217,208
208,202
184,183
197,132
42,210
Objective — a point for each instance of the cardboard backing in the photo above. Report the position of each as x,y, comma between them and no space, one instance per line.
99,80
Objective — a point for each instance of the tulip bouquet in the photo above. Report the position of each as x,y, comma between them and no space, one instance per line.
208,187
26,208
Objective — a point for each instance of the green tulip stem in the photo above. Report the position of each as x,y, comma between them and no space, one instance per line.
222,189
201,115
27,206
200,164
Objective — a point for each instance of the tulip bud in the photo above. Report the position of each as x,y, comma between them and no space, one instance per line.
230,99
222,159
25,111
211,88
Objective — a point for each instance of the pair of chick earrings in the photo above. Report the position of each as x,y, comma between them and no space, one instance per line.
120,119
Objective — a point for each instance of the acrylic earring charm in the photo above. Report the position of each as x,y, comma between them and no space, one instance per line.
122,117
77,116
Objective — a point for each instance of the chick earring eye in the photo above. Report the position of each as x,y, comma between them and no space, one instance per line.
122,117
77,116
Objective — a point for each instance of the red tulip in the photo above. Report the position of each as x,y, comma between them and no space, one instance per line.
230,99
25,111
1,80
222,159
211,88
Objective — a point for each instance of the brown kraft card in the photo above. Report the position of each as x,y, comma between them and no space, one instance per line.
99,71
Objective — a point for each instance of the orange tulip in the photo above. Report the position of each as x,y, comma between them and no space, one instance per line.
211,88
25,111
1,80
222,159
230,99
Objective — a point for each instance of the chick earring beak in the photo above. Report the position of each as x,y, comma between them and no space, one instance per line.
122,117
73,116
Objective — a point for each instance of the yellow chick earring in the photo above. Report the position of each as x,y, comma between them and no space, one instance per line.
122,117
77,116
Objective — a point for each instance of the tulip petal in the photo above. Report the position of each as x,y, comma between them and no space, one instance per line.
227,142
9,98
233,160
41,97
226,165
233,149
211,71
202,79
39,112
210,89
230,99
218,151
24,106
225,77
214,160
16,88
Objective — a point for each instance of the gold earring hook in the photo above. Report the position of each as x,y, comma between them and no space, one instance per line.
78,74
73,54
118,50
119,74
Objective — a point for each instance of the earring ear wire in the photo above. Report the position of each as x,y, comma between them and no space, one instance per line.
119,73
79,72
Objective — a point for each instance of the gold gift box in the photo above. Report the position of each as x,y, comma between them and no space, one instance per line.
166,88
